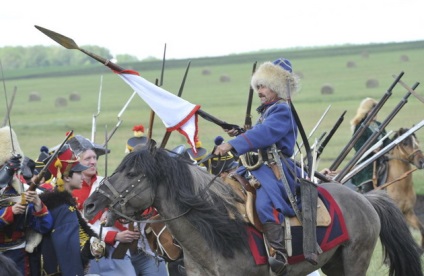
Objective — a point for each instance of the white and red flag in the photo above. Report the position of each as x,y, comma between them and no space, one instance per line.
175,112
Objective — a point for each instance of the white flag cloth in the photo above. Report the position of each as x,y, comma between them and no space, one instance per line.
175,112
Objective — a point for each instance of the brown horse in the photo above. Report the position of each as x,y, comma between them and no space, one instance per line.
401,188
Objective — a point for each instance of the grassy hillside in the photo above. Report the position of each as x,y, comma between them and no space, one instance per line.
344,69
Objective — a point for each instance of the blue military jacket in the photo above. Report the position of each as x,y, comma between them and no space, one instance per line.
275,126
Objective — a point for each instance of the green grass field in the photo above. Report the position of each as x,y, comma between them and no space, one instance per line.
40,123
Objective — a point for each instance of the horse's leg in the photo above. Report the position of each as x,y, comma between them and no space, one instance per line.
415,223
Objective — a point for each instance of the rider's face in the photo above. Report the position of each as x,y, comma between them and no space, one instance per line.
266,95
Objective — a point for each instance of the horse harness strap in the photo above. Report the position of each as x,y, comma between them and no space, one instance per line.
122,199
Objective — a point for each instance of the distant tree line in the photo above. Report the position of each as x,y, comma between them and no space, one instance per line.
20,57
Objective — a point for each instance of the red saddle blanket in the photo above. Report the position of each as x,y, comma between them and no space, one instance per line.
328,237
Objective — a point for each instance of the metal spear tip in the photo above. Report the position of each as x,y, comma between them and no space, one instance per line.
61,39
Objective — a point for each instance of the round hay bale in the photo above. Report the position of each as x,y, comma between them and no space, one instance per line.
372,83
60,102
327,89
224,78
74,97
34,97
206,72
404,58
351,64
365,54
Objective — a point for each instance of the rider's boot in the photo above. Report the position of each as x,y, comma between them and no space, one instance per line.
274,234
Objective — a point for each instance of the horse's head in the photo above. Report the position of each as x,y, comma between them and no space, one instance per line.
409,149
128,191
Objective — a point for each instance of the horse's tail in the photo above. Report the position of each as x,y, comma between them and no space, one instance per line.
399,246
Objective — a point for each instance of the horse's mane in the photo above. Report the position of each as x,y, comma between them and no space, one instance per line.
408,140
190,187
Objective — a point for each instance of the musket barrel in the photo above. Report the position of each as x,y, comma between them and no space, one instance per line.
374,136
248,118
36,181
364,125
330,134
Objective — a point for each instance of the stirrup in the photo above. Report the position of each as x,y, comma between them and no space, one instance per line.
279,267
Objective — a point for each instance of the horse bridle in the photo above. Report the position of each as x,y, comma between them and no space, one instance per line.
411,156
123,198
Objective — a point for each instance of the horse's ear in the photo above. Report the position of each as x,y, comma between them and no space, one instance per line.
152,146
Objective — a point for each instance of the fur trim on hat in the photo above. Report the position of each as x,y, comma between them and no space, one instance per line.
6,148
364,108
275,78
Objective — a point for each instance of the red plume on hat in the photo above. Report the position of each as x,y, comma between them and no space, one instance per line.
138,138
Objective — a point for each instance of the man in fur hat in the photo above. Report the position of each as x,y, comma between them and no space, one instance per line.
274,83
20,210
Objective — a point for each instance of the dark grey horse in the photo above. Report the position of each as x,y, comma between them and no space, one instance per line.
200,212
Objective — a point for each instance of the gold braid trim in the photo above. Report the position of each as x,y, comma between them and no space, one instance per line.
84,237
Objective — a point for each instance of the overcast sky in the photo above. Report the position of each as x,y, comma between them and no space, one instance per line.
210,28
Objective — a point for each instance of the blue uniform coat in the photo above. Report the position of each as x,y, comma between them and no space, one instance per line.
275,126
63,249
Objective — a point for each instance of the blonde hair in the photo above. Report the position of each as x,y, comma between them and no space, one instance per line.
364,108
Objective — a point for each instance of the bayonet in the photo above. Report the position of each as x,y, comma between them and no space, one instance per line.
7,110
119,116
313,130
93,127
9,107
375,146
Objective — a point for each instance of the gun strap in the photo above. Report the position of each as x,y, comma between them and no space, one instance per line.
309,197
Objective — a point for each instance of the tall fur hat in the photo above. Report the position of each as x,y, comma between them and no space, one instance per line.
277,76
8,143
364,108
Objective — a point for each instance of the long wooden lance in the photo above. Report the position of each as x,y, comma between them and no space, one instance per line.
364,125
383,151
370,141
180,92
70,44
118,124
